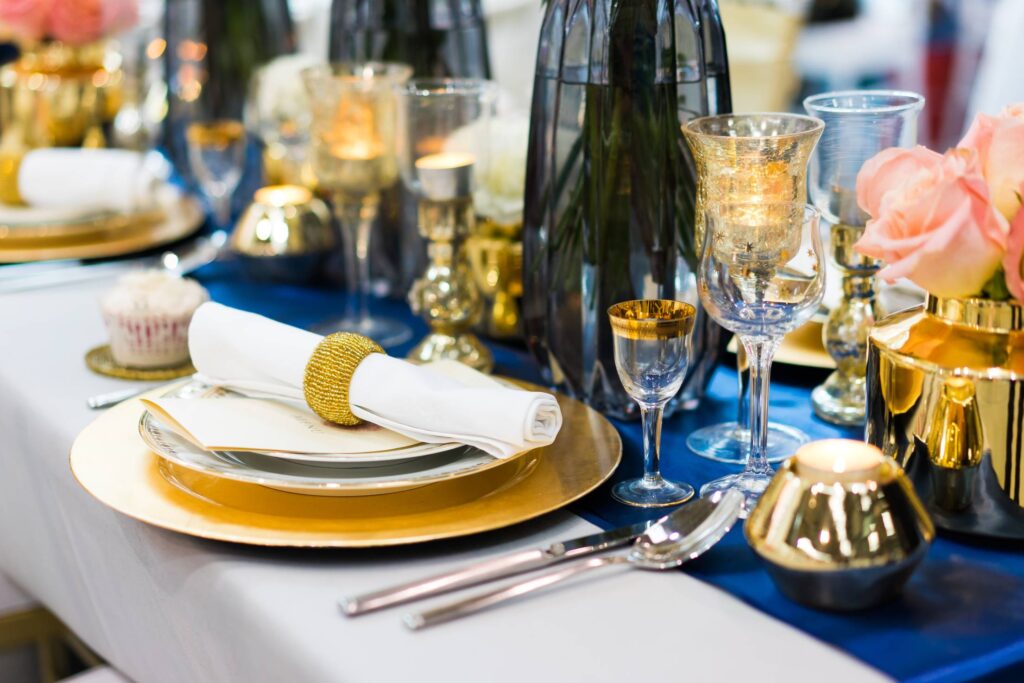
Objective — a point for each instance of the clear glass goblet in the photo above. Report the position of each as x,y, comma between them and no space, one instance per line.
216,153
762,275
730,441
858,125
749,157
353,138
652,350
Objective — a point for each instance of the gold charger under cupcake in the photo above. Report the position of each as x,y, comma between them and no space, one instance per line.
115,237
101,361
110,460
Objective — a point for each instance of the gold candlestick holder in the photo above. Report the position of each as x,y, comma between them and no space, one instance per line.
840,399
858,125
446,295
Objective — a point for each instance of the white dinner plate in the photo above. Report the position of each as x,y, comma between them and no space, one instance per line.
341,479
196,389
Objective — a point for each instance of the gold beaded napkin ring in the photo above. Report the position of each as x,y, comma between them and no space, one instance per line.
328,375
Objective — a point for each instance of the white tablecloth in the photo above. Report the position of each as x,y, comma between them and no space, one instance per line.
166,607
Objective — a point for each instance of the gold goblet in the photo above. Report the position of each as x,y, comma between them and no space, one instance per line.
652,350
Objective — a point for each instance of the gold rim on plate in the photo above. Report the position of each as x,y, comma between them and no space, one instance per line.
181,219
111,462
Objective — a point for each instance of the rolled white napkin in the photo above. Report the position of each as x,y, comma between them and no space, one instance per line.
434,403
91,179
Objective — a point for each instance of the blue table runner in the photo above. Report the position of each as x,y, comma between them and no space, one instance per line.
961,617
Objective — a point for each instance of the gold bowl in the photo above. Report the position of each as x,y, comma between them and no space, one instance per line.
840,526
285,234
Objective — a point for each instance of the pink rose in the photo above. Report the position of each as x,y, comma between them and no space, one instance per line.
932,220
999,142
889,170
24,19
85,21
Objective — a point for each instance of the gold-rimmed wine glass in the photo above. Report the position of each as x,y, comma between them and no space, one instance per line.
652,351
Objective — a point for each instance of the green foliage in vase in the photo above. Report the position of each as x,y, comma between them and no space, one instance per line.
628,176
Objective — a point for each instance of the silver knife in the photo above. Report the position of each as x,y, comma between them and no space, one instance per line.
493,569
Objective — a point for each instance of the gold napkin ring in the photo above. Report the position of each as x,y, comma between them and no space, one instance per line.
329,374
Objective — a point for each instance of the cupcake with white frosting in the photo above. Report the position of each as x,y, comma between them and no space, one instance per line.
147,315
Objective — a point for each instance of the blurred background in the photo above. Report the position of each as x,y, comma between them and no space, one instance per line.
962,54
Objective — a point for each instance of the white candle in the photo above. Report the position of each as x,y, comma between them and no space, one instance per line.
839,456
282,195
446,175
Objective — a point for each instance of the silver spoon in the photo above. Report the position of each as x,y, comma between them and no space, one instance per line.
684,535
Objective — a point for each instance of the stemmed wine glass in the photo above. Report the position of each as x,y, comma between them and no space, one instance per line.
762,274
730,441
743,158
652,350
216,153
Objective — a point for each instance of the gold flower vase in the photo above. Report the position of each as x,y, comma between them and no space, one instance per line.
945,399
59,95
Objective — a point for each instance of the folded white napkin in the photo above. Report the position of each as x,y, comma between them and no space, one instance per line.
435,403
91,179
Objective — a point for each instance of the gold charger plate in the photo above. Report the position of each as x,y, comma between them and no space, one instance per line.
110,460
802,346
181,219
101,361
88,229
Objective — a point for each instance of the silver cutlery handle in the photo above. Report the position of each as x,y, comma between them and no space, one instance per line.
488,570
476,603
105,400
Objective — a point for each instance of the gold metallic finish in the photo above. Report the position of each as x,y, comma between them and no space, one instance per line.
283,220
841,398
329,374
102,362
179,220
447,296
110,460
956,437
222,133
839,540
751,158
651,319
59,95
10,165
946,400
89,229
497,267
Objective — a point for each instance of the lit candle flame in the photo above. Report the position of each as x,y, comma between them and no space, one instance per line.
445,160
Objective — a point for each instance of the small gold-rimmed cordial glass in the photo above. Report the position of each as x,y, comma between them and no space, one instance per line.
652,351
